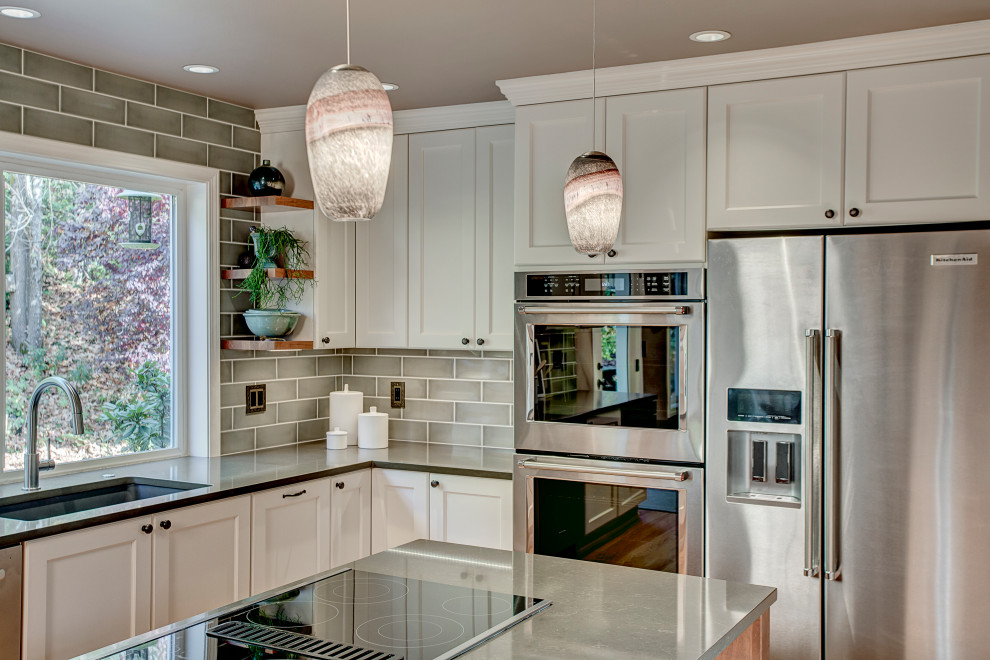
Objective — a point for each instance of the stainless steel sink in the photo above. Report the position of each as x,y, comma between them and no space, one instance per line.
84,497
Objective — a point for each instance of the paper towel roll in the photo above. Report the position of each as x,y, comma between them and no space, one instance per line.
373,430
345,407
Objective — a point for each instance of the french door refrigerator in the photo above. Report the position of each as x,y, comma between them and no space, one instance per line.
848,452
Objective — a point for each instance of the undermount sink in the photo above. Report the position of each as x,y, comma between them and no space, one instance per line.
85,497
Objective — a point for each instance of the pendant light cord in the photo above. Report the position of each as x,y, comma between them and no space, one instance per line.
594,76
347,4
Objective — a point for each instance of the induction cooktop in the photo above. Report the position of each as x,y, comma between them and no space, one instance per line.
368,616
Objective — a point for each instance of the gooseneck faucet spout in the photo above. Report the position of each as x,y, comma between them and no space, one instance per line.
32,463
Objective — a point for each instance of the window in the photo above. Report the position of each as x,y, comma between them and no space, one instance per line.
89,296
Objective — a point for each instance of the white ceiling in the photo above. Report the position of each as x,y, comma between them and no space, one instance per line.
440,52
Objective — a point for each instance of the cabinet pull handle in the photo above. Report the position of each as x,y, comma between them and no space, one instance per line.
434,483
853,212
165,524
830,214
302,492
339,484
147,529
465,341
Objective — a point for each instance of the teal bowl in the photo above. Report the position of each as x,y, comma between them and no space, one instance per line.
271,322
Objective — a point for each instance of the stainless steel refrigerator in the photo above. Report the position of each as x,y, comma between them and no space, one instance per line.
848,435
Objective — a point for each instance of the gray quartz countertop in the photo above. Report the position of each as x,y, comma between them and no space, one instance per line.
244,473
597,611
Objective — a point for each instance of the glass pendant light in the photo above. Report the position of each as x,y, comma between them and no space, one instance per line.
593,186
349,140
140,207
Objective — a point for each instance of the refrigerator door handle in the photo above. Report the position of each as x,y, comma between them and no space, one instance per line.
812,464
831,454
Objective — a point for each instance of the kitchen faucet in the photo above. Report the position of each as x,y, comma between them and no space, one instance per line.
32,464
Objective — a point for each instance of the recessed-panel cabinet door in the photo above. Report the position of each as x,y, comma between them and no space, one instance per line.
86,589
493,299
775,153
918,142
332,252
350,517
400,508
290,534
471,511
382,260
658,142
549,136
202,558
441,239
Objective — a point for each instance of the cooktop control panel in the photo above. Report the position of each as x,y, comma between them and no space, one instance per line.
601,285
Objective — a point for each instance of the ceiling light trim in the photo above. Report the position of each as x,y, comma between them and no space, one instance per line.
32,13
422,120
940,42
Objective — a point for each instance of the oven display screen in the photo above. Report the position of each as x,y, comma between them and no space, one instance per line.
586,285
764,406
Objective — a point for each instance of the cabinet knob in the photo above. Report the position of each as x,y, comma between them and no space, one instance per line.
434,483
611,253
830,214
165,524
465,341
339,484
147,529
325,340
592,256
481,342
853,212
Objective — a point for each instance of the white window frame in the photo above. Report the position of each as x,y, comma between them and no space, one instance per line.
195,354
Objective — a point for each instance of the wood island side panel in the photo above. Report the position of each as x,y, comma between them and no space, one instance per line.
752,644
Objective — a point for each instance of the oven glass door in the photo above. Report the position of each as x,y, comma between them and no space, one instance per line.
610,375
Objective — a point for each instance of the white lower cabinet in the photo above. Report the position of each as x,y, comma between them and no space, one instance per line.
441,507
290,534
86,589
350,517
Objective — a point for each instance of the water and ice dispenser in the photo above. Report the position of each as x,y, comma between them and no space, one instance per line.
764,467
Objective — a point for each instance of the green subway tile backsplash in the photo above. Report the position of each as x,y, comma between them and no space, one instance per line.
124,87
55,126
154,119
25,91
119,138
41,66
10,58
232,114
173,99
10,118
91,105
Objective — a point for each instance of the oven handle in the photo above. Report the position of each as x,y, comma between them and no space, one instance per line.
667,476
617,308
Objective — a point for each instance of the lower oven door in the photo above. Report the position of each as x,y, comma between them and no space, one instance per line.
631,514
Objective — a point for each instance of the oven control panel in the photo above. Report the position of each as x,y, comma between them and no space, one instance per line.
601,285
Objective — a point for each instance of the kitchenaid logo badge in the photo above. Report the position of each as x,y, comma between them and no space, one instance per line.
954,259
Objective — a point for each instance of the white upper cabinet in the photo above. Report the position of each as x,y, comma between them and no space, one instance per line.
658,143
441,238
382,261
400,508
202,559
918,142
495,153
350,517
775,153
333,259
290,534
549,137
471,511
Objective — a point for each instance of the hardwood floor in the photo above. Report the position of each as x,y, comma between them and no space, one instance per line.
648,540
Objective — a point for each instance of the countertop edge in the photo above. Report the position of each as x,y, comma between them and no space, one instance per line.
734,632
193,498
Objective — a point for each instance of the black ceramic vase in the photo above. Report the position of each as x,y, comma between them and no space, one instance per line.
266,180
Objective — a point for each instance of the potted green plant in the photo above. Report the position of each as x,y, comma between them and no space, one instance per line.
269,295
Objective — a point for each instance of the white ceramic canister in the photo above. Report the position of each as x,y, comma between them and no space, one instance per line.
345,406
337,439
373,430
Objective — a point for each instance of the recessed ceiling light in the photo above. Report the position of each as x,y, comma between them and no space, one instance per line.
200,68
707,36
389,87
19,12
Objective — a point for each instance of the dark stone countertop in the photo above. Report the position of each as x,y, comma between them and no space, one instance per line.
248,472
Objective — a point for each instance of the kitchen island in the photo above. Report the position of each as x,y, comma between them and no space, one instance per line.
595,610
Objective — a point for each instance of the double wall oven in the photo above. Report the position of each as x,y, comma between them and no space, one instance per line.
609,417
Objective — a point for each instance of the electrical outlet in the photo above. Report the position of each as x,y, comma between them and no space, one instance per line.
398,397
256,399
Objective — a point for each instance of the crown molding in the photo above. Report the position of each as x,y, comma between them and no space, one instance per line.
934,43
469,115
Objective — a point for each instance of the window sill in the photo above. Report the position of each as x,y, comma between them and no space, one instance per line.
108,463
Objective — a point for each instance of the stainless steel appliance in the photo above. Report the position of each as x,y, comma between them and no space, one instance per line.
847,439
611,366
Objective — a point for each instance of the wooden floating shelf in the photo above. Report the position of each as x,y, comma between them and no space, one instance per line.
274,273
265,345
267,204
